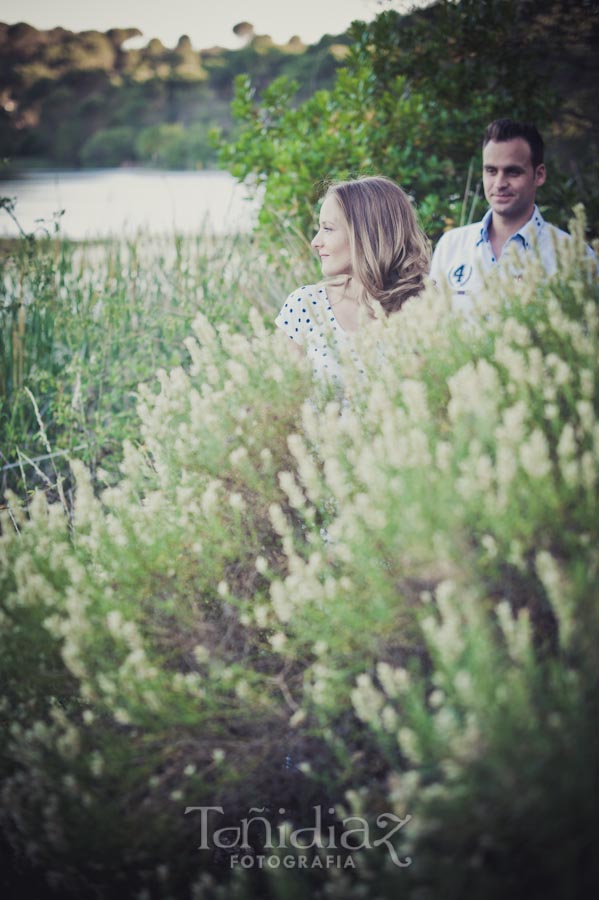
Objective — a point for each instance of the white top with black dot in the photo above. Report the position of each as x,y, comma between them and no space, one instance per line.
308,319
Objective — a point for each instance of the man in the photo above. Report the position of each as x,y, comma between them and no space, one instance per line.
513,229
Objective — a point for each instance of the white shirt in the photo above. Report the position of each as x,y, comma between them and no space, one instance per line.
308,319
464,256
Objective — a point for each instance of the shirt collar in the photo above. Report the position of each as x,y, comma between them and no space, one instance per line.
525,235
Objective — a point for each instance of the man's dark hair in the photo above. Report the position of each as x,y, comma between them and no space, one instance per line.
507,130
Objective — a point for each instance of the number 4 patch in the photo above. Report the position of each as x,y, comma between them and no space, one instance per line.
460,275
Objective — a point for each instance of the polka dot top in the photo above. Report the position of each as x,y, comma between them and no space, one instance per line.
308,319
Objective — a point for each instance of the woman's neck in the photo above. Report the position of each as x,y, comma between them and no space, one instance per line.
351,308
344,288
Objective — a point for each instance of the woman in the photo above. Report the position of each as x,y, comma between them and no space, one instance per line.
374,256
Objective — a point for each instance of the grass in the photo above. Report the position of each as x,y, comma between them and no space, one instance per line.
401,598
82,324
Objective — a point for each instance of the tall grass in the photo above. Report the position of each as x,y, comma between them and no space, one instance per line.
82,324
386,607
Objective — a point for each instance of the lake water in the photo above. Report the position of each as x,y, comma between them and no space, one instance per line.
121,202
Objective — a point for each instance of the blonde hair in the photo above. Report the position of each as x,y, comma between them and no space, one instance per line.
390,254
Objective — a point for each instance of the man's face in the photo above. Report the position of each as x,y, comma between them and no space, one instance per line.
509,180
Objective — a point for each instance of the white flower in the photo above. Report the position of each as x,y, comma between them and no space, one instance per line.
389,718
409,744
414,396
490,545
587,415
236,501
516,631
96,763
559,592
278,641
210,498
534,455
238,455
290,487
281,604
561,370
261,565
367,700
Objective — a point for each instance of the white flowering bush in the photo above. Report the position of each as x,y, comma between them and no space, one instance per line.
464,487
82,324
395,592
129,667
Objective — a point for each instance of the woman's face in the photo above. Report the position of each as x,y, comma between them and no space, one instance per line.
331,241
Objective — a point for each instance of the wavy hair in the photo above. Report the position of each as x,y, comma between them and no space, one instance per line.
390,254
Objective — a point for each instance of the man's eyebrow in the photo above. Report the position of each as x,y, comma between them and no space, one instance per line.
513,167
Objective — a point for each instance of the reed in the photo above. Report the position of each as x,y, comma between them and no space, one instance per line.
386,608
81,325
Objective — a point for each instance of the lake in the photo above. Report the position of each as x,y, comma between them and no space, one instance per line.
121,202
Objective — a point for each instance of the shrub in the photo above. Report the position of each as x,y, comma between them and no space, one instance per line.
109,147
396,592
83,325
162,145
411,102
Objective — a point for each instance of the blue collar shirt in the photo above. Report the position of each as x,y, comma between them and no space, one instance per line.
464,256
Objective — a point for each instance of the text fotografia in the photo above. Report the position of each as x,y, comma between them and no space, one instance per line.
350,835
299,861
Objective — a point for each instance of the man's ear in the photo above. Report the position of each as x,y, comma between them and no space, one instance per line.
540,175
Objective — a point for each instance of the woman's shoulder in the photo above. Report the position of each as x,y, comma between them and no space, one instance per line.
302,310
307,296
310,291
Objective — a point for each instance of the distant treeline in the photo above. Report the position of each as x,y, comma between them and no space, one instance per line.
85,99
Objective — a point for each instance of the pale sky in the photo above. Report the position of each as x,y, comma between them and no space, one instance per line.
207,22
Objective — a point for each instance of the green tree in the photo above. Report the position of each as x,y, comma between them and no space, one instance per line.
185,61
163,145
109,147
411,103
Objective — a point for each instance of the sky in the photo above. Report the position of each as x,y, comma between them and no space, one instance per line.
206,22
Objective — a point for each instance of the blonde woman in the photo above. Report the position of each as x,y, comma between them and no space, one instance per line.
374,257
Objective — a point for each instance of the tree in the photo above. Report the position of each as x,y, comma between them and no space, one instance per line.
109,147
411,103
163,145
244,30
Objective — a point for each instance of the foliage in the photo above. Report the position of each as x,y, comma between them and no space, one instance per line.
347,131
109,147
412,102
65,92
397,591
175,147
81,326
